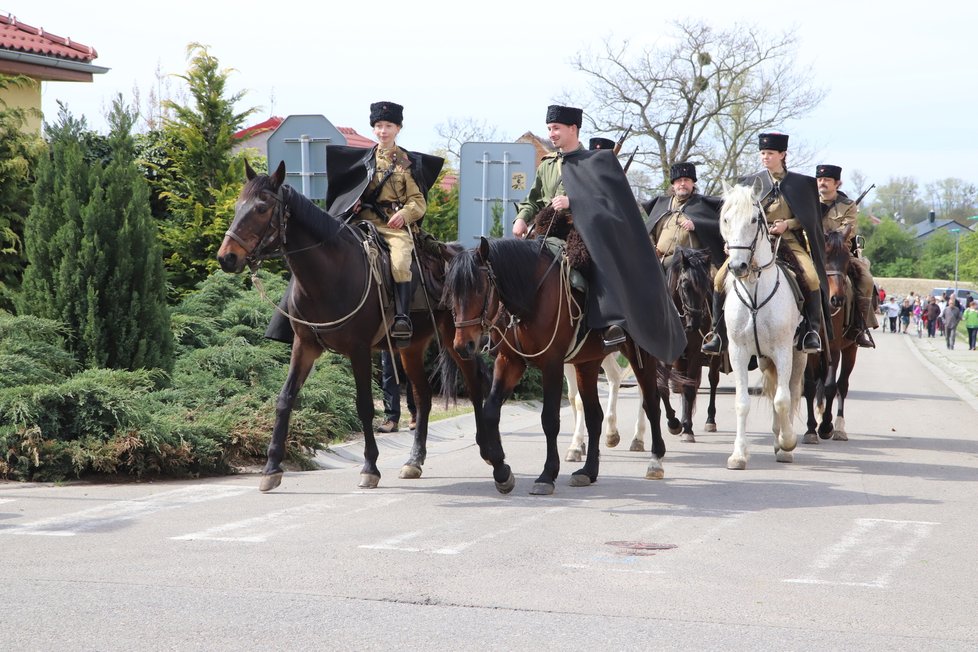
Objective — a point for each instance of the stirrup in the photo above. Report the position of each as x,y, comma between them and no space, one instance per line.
809,347
864,339
613,336
712,344
401,331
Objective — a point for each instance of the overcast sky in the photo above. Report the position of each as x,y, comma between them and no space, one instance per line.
901,80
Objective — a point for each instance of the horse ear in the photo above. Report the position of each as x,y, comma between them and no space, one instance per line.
847,232
249,172
484,248
279,177
756,189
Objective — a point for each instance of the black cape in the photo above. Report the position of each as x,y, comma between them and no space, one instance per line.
628,287
703,210
801,193
350,169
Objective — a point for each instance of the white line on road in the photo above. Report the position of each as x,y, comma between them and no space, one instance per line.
458,548
114,514
869,554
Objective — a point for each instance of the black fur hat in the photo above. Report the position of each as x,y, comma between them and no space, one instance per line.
775,141
680,170
830,171
387,111
601,143
565,115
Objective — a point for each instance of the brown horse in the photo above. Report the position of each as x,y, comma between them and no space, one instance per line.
335,304
690,284
823,382
522,292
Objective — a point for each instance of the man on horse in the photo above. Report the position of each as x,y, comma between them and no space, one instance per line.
684,218
839,212
387,186
627,292
791,208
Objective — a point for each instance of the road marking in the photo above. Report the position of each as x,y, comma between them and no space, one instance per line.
394,542
115,514
869,555
259,529
7,500
520,525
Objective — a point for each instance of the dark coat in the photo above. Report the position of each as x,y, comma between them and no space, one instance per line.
628,287
703,210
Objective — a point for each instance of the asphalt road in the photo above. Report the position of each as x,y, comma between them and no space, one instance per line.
868,544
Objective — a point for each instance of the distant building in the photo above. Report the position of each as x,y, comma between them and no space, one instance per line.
543,146
257,135
43,57
926,228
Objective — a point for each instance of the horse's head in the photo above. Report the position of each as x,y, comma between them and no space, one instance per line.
689,279
743,227
470,294
837,259
259,221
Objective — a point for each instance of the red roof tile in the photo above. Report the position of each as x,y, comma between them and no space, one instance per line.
18,36
353,139
268,125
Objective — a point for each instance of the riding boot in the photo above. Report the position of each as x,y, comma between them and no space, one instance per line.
862,337
812,343
715,341
401,328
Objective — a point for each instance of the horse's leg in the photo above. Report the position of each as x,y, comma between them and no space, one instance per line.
694,371
472,370
576,451
613,374
647,373
848,364
784,433
663,387
587,380
507,372
550,420
412,358
711,410
303,357
641,425
739,359
360,360
831,387
812,370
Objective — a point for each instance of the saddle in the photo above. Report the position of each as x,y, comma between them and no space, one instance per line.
788,264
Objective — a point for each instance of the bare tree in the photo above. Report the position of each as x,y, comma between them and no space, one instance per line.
458,131
953,198
702,98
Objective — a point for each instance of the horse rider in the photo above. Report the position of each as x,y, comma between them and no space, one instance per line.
623,294
791,207
387,186
839,212
684,218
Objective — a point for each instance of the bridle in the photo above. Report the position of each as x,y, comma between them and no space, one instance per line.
274,232
762,228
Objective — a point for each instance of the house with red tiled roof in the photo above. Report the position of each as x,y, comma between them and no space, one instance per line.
257,136
44,57
542,146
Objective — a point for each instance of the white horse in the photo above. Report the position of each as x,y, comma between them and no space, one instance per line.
761,316
614,374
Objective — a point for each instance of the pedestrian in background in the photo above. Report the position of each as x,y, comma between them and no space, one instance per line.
905,311
951,316
933,313
971,323
893,313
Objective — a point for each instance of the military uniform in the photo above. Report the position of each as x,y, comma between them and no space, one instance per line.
547,185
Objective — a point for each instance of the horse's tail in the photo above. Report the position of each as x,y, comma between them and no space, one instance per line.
447,372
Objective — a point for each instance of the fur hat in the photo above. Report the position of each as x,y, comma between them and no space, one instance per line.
830,171
601,143
775,141
680,170
565,115
387,111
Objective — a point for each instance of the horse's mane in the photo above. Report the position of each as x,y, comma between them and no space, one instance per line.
837,248
738,199
698,261
514,263
303,212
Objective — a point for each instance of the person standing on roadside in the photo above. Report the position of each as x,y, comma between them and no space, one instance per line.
893,313
971,323
951,315
933,313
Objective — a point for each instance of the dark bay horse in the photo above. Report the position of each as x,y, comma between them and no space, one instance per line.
824,382
521,292
690,283
335,304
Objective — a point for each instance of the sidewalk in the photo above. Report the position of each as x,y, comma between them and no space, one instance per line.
957,367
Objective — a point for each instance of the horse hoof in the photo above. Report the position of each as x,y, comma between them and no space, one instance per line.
655,470
688,437
839,435
787,443
573,455
369,481
710,427
784,456
675,429
487,461
637,446
270,480
542,489
410,472
809,438
507,486
612,439
580,480
736,463
825,435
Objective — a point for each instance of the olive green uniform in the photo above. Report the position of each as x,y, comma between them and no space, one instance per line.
776,210
399,193
836,216
547,185
668,233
